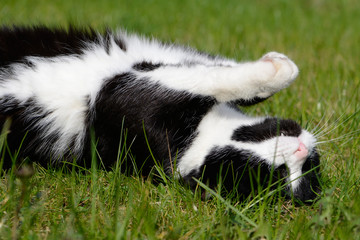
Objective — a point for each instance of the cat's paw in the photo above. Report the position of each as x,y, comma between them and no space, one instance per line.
280,74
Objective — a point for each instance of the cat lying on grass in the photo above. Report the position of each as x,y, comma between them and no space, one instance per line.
57,85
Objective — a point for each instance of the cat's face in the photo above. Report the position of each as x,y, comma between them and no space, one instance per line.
237,147
282,145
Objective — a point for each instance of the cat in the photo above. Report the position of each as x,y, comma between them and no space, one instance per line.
180,105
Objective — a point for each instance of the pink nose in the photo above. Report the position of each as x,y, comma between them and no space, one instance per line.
302,151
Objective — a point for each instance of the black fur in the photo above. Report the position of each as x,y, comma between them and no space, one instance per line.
232,166
310,186
170,119
269,128
23,135
146,66
248,102
19,42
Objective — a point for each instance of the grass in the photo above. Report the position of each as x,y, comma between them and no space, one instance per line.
322,37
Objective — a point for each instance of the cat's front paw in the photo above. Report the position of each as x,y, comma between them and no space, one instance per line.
279,75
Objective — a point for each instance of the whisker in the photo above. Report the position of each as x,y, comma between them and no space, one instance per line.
331,127
329,130
321,150
324,125
316,128
345,142
340,137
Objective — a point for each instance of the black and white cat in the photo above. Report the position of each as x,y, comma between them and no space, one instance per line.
57,85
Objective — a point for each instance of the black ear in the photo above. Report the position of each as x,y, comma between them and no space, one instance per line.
269,128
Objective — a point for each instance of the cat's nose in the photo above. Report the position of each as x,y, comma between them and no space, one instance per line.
302,151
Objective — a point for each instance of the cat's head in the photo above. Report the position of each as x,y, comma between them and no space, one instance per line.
287,148
268,149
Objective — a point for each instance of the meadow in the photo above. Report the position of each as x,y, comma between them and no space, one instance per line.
323,39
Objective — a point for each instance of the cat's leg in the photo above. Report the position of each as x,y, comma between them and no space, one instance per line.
238,81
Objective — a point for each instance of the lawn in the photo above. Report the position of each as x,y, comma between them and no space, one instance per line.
322,37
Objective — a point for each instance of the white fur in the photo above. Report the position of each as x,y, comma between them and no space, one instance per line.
261,78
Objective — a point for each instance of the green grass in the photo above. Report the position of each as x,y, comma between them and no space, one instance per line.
322,37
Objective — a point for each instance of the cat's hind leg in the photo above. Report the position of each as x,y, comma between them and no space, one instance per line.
229,81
